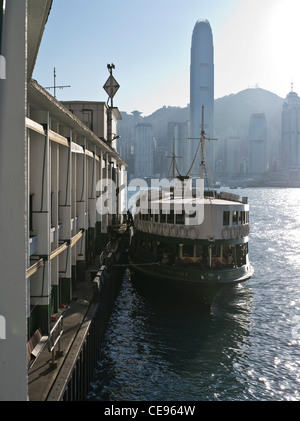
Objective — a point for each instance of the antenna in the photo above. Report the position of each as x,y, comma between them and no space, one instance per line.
203,150
173,162
55,86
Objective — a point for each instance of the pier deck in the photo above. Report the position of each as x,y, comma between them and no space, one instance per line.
41,376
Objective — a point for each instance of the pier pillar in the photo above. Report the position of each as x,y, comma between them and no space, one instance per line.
54,220
91,208
39,168
98,242
74,226
13,200
81,206
65,198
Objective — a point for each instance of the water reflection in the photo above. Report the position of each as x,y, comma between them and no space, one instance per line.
244,349
155,351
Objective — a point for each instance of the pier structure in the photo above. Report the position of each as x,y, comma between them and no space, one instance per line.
51,167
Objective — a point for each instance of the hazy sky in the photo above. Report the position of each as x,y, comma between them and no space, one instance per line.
256,43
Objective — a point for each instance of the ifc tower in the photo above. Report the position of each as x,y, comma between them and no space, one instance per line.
202,89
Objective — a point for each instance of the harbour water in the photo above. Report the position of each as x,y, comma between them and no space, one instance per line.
247,348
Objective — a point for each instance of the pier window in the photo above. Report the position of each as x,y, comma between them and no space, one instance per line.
226,217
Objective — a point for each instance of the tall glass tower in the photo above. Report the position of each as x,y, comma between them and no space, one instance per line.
202,89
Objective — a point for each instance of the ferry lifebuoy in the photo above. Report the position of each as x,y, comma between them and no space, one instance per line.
166,230
182,232
233,232
173,231
225,233
149,227
240,231
193,233
161,229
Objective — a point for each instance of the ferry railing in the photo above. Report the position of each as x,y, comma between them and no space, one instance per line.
54,339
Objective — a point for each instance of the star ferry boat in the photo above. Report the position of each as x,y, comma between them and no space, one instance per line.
198,257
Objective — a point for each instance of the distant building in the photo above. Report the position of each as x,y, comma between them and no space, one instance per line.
258,144
179,134
290,141
232,155
126,142
202,87
144,150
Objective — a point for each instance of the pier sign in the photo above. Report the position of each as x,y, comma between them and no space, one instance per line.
111,86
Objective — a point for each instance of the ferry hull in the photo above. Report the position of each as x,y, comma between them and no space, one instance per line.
201,287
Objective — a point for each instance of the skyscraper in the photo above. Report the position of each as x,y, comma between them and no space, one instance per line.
143,150
258,143
290,142
202,88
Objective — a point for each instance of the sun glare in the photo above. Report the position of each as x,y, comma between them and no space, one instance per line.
282,39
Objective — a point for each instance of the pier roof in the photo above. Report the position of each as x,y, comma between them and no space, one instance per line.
37,15
39,98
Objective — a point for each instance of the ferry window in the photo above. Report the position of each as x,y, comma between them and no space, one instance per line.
180,218
198,250
163,217
234,218
170,217
226,216
215,251
188,250
156,217
242,217
246,217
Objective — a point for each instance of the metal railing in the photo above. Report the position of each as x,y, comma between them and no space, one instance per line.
54,339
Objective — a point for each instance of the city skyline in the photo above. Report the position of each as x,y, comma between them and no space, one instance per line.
255,45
